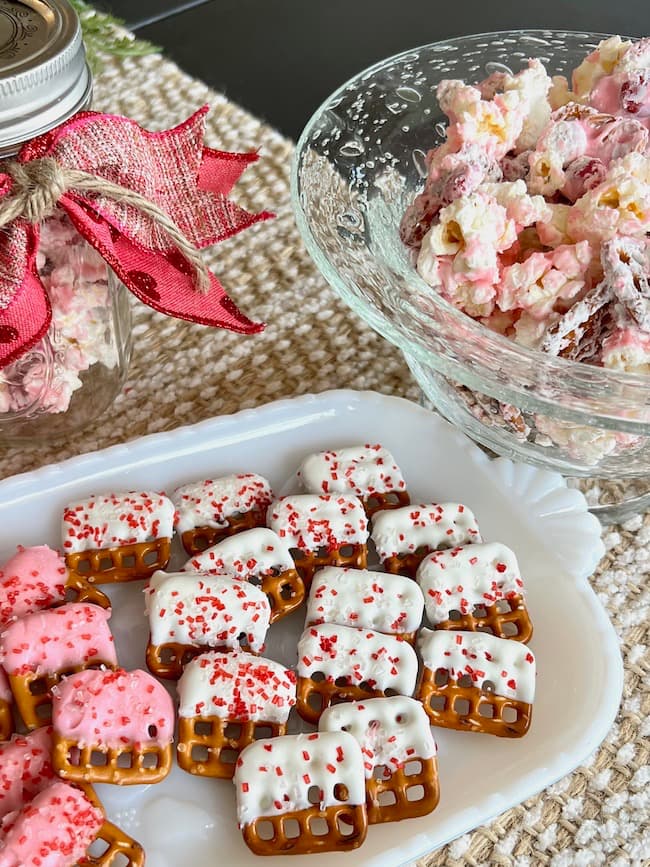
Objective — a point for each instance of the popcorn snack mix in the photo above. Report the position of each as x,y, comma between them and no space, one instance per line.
82,332
261,557
189,613
37,578
325,530
40,649
342,663
535,213
371,600
226,702
369,472
26,773
399,754
110,538
209,511
302,794
405,536
475,587
112,727
6,714
473,681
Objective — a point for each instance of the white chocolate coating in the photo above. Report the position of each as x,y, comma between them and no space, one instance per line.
358,470
460,578
390,731
211,502
236,686
114,520
274,776
509,665
371,600
309,522
250,554
434,525
193,609
381,661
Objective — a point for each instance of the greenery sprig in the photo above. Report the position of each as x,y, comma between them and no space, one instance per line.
104,34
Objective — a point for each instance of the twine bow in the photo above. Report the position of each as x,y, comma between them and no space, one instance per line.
145,201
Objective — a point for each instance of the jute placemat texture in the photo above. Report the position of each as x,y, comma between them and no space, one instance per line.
182,373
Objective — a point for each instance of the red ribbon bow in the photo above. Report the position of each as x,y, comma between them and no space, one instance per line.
173,170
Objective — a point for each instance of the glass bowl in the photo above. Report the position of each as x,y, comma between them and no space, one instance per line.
358,164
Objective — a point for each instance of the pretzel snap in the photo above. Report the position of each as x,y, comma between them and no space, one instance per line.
476,587
190,613
321,530
301,794
368,472
473,681
38,650
385,603
112,727
37,578
342,663
226,702
404,537
260,557
110,538
211,510
399,755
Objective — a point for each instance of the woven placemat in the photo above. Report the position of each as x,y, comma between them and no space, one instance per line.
182,373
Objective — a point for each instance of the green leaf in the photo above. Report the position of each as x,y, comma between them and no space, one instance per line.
105,35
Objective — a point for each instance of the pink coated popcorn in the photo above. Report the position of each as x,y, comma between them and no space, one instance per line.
536,284
535,214
627,349
75,278
619,205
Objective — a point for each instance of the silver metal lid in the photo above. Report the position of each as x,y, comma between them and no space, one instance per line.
44,77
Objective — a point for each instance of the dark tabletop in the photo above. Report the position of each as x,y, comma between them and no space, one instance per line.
281,58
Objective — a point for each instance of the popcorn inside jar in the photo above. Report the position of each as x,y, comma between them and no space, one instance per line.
90,327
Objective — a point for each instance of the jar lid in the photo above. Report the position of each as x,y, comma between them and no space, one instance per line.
44,77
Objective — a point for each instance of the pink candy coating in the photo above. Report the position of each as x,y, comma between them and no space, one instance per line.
50,641
113,709
34,578
53,830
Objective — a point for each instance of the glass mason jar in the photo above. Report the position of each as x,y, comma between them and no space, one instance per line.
76,370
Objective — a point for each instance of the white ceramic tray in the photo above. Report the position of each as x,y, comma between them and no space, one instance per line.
191,821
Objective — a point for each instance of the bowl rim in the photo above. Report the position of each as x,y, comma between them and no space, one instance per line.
473,329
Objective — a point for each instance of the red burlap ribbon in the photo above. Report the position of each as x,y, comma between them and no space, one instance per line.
173,171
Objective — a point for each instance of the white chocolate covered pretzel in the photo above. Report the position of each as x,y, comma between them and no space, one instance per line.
359,597
359,470
211,502
433,525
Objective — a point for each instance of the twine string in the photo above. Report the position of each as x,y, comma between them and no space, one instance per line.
39,184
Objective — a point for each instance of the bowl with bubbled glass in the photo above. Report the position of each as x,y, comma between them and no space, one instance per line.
484,204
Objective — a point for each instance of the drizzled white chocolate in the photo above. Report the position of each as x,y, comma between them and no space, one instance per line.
359,597
434,525
460,578
275,776
508,665
390,731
